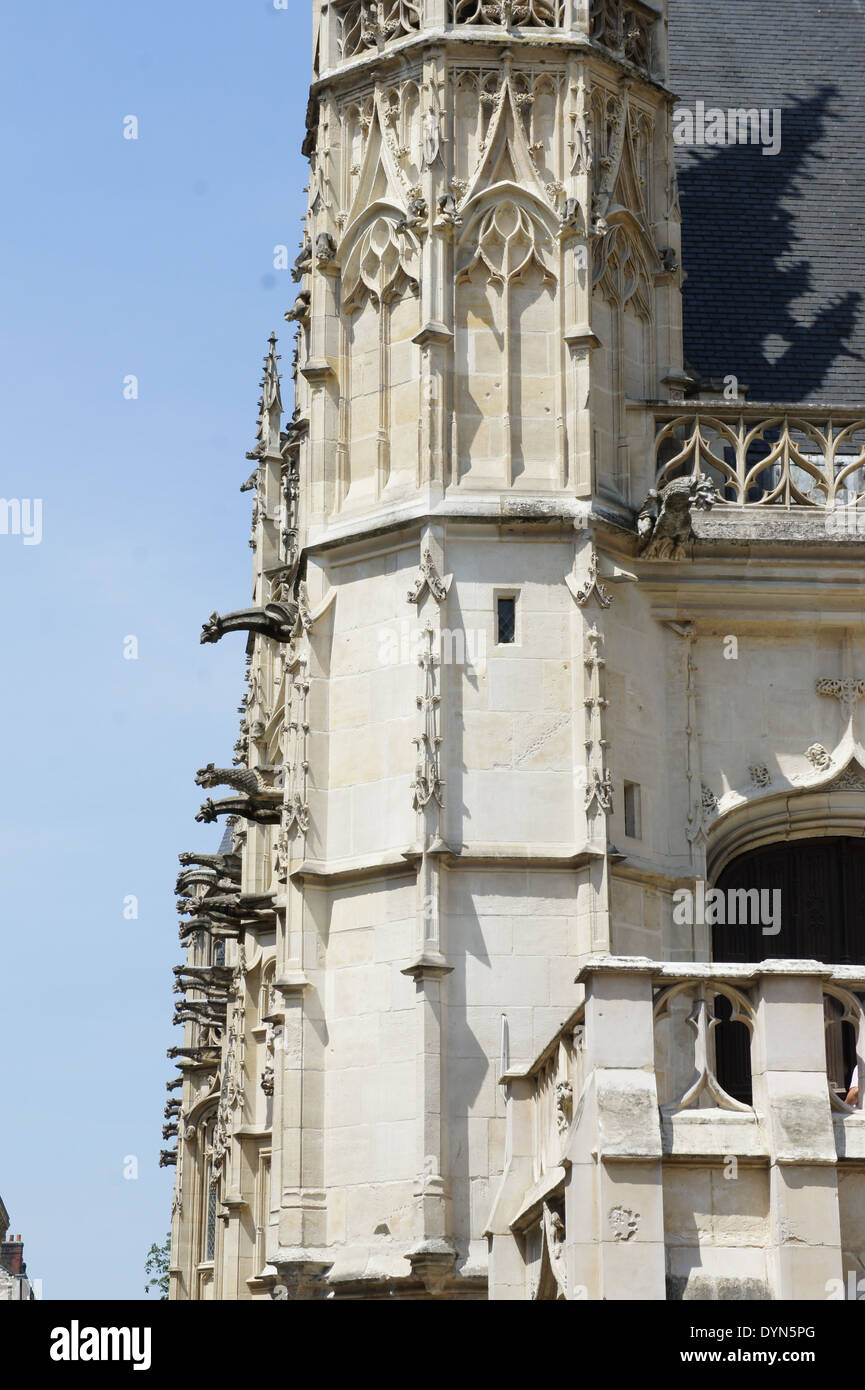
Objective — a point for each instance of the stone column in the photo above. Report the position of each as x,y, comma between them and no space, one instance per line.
507,1266
614,1218
792,1096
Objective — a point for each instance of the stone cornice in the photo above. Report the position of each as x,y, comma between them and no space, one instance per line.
526,46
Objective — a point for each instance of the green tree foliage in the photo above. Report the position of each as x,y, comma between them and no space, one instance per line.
156,1268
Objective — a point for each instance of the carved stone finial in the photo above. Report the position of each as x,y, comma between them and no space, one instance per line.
591,585
428,578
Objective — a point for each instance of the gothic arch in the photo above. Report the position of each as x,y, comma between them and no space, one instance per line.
528,204
508,341
832,806
378,254
380,318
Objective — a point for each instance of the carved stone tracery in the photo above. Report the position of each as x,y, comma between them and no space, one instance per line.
368,24
525,14
622,30
705,1090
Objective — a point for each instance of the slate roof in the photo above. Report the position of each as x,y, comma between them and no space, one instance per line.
774,246
225,844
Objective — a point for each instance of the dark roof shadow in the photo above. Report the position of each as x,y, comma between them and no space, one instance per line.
769,258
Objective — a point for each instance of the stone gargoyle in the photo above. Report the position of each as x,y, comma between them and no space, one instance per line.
276,620
255,781
664,520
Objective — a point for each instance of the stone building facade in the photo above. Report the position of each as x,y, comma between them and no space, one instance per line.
15,1286
530,965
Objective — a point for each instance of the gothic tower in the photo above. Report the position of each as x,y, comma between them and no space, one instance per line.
419,1055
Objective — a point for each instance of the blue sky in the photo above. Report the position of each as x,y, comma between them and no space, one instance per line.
151,258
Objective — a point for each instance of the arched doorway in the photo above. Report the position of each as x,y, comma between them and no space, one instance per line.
811,906
821,888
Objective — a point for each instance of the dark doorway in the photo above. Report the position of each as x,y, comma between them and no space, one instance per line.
822,903
822,917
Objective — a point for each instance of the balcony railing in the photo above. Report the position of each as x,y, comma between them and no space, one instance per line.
698,1060
641,1087
765,456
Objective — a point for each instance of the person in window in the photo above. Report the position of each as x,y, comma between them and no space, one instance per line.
852,1096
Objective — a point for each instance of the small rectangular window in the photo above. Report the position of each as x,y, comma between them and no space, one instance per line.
506,620
633,823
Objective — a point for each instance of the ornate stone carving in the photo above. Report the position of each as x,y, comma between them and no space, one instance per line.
582,159
599,791
268,1076
850,780
427,785
232,1079
708,800
325,250
553,1228
263,813
591,585
369,24
599,787
510,242
303,264
275,620
760,775
664,520
448,211
428,578
432,136
706,1088
564,1105
848,691
383,263
536,14
257,781
818,757
301,1281
619,28
299,311
811,460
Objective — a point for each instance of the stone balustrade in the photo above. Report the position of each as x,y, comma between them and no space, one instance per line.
763,455
629,1100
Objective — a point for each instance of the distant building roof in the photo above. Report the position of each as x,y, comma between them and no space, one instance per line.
774,246
226,842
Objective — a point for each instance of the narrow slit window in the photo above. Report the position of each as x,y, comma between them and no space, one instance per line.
633,819
506,620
